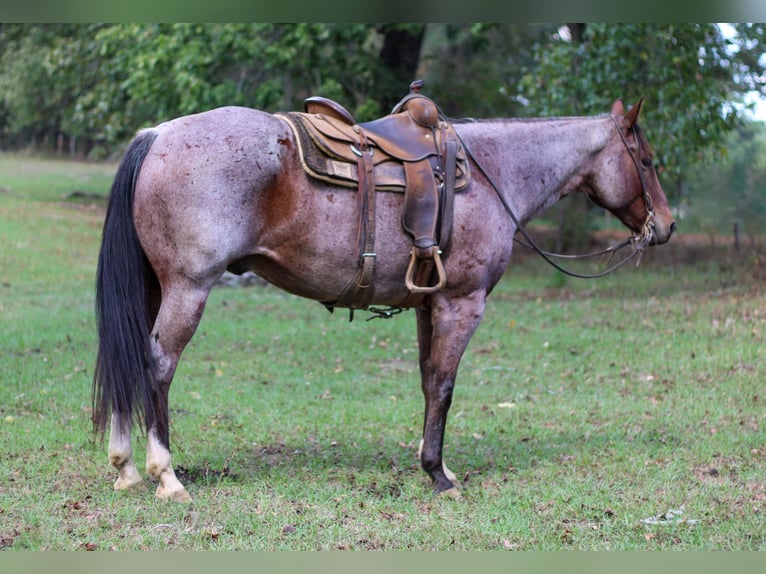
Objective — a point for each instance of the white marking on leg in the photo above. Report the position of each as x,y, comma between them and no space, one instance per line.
121,457
447,472
158,466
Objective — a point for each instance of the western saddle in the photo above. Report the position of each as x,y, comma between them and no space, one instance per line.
413,150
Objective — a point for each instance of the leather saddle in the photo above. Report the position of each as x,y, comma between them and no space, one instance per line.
413,150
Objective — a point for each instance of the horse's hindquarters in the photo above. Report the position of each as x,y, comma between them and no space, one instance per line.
200,197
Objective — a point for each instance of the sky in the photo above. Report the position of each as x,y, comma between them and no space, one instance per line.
760,109
759,113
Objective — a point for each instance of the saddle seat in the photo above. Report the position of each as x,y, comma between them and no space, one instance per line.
399,135
413,150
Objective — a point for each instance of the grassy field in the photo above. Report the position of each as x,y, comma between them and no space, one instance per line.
617,414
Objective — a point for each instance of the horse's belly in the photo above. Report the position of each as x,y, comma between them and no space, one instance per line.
324,277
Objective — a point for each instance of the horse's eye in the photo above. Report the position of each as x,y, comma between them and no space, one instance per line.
646,162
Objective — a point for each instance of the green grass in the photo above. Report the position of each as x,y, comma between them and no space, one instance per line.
582,408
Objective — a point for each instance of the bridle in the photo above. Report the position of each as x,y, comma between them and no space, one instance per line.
647,231
639,241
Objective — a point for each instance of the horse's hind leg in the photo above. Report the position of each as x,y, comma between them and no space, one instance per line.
183,302
121,455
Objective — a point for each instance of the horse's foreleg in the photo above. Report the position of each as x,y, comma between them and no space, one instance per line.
178,318
425,333
443,335
121,455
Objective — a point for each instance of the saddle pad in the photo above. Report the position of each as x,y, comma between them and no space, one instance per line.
327,149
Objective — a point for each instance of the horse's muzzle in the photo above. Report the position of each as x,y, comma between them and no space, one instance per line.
662,233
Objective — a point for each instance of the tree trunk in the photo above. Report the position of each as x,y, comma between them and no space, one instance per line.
574,221
400,56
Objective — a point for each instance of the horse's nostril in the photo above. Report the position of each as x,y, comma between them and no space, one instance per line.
672,229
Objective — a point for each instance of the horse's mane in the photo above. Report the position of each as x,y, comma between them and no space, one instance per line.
521,120
524,120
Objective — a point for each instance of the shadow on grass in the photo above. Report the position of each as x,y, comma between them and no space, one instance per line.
387,469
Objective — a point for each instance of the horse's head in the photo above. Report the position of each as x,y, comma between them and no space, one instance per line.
625,182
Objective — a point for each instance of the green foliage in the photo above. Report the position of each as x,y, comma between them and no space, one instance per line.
693,78
38,80
102,82
730,187
472,69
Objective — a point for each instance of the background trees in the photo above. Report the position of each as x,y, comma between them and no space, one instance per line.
85,88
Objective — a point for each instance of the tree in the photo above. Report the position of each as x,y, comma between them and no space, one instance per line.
731,191
100,82
472,69
36,88
694,80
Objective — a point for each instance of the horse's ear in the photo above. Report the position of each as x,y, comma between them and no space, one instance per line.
632,116
617,108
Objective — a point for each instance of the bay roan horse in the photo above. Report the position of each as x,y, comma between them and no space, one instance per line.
225,189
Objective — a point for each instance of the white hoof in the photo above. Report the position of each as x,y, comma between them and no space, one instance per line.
129,479
174,494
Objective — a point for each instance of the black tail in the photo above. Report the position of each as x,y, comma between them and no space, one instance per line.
123,381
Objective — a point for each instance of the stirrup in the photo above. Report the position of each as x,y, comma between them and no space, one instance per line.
409,276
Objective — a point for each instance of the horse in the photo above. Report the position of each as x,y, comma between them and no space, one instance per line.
225,189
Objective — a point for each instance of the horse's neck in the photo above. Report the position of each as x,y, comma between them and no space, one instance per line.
535,162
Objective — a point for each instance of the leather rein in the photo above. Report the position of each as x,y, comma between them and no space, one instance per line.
639,241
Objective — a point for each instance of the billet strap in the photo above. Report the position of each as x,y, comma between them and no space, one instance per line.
358,293
366,219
